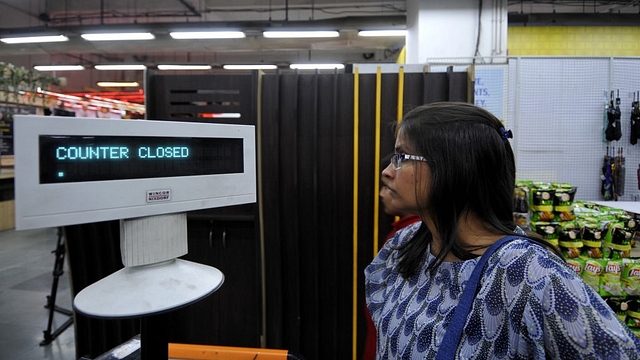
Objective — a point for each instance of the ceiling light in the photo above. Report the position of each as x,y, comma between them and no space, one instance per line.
58,67
207,34
34,39
121,67
316,66
382,33
299,34
118,36
118,83
184,67
250,67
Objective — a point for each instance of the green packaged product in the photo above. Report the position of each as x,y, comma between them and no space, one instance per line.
542,215
619,306
541,205
577,264
524,183
543,196
618,235
591,272
610,284
628,222
563,213
569,240
591,240
633,313
630,277
547,230
618,242
563,196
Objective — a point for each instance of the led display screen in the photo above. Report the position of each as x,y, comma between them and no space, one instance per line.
65,159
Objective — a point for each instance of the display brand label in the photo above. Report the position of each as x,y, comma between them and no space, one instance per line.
613,268
634,273
158,195
592,268
575,266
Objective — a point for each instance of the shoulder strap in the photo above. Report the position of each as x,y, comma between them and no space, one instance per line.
449,345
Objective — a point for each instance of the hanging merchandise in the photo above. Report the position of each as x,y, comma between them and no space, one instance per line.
613,131
619,174
607,177
635,118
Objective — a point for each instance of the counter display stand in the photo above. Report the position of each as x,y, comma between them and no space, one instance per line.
153,280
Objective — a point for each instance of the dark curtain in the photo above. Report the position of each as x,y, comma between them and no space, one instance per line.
307,133
93,252
306,125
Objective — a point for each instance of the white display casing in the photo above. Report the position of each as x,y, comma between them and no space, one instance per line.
60,204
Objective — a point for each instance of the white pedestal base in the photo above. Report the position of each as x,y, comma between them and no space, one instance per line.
148,289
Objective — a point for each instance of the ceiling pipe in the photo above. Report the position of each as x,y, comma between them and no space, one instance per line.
190,7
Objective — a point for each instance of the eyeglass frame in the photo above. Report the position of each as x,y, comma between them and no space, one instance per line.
397,159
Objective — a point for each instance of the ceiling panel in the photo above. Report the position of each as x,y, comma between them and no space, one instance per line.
72,17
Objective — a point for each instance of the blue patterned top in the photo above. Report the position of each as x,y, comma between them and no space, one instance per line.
529,303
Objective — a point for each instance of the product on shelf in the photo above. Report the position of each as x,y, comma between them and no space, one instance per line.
596,241
630,277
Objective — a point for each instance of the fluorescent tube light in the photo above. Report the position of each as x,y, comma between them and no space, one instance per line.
382,33
34,39
299,34
58,67
120,67
118,83
207,34
316,66
118,36
250,67
184,67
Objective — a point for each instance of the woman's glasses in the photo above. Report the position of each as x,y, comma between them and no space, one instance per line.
397,159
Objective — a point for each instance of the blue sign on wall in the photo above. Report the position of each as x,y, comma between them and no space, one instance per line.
488,90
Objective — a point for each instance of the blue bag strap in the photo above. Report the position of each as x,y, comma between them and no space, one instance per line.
449,345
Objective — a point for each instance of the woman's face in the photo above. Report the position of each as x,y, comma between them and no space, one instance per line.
385,199
402,183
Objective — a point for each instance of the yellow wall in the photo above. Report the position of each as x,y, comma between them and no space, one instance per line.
573,40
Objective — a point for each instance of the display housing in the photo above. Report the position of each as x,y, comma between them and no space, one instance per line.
81,170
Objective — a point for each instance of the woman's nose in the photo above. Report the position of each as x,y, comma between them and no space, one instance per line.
388,172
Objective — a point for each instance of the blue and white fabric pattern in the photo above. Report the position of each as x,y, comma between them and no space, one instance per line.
530,304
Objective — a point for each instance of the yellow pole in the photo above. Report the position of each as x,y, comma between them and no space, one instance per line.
400,111
400,93
376,179
356,126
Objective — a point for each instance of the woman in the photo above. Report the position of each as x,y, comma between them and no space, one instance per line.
455,168
402,220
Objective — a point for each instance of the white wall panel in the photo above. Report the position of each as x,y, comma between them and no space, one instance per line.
558,108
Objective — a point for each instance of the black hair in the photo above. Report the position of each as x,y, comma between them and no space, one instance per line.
386,160
472,171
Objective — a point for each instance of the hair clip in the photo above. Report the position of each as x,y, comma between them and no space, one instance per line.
506,134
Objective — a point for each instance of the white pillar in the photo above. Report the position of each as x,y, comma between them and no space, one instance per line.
448,29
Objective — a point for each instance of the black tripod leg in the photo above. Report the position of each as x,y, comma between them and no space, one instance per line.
58,266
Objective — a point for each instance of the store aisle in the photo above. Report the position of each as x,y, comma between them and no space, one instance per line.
26,266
